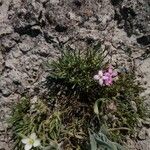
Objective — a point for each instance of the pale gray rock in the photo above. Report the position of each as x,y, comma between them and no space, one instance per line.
31,32
26,45
142,134
15,37
16,52
5,29
6,92
143,145
5,87
8,43
9,64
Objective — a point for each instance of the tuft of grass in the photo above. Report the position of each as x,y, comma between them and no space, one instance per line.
121,107
72,73
28,118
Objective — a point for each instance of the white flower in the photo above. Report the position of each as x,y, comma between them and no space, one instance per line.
99,77
31,141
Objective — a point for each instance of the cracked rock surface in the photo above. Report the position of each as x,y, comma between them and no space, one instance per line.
31,31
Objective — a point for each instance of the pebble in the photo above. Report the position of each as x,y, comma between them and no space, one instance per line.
142,134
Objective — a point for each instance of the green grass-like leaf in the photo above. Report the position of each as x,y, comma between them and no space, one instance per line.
99,141
28,118
72,73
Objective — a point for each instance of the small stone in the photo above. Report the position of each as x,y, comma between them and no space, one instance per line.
142,134
5,29
43,49
72,15
6,92
44,52
15,36
9,64
3,126
130,143
34,100
3,144
15,77
7,43
16,52
24,47
143,145
5,87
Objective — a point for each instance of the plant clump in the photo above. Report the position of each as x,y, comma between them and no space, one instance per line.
86,94
28,118
72,73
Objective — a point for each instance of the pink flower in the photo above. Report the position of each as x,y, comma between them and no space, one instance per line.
107,77
99,77
108,80
112,72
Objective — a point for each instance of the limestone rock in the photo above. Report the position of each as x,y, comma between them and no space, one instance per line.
142,134
31,31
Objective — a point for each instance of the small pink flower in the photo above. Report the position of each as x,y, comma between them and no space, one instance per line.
112,72
108,80
99,77
107,77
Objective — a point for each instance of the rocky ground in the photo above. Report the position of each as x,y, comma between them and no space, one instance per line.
32,30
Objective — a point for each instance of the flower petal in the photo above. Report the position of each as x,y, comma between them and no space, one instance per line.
36,143
101,81
33,136
114,74
96,77
110,70
105,77
100,73
25,141
107,74
108,82
28,146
